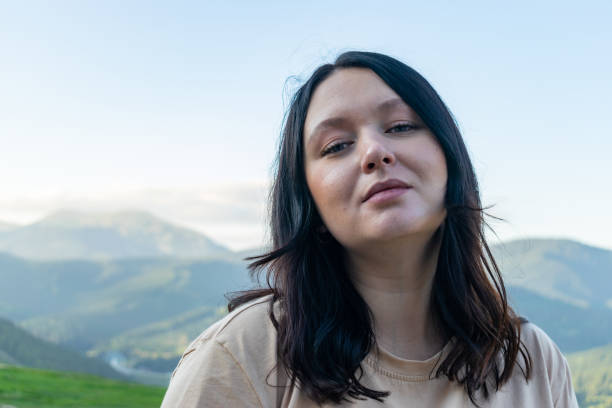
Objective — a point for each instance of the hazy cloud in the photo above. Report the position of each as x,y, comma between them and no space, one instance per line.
233,213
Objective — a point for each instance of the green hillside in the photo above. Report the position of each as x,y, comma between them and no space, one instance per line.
559,269
18,347
573,328
77,303
592,377
157,346
33,388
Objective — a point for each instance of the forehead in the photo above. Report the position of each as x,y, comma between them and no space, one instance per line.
348,93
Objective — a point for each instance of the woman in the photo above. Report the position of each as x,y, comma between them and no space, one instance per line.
382,288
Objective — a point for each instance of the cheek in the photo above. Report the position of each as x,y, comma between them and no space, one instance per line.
331,190
426,159
433,163
439,170
439,181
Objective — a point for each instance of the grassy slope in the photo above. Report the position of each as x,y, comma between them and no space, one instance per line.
165,339
32,388
17,346
592,376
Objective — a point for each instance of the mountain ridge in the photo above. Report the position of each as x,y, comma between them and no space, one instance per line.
68,234
563,269
19,347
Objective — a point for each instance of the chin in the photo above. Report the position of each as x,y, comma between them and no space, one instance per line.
398,229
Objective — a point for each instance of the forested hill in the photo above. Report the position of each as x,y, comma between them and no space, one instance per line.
83,303
18,347
559,269
592,376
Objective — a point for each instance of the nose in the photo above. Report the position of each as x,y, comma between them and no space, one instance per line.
376,155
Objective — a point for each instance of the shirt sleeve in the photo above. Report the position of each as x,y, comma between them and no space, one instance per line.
562,389
208,375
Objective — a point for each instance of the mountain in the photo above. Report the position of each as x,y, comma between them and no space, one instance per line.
157,346
18,347
592,376
84,303
127,234
558,269
572,327
563,286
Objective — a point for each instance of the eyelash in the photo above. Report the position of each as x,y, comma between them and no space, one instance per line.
333,147
410,126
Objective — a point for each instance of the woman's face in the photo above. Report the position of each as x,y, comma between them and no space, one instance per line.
359,133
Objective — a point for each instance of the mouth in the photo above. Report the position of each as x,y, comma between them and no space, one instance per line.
387,194
385,190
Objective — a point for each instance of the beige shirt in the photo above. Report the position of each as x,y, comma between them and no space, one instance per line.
231,364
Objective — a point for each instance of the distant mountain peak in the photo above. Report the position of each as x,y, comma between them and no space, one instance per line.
73,218
70,234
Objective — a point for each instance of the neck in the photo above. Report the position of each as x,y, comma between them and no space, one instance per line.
395,279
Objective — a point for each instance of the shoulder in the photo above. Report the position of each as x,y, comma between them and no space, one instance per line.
231,360
542,348
550,370
245,322
244,332
534,336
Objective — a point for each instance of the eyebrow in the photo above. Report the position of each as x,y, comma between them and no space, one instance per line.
338,122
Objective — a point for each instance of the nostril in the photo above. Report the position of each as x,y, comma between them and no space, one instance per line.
370,165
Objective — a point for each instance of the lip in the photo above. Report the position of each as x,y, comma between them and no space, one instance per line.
385,185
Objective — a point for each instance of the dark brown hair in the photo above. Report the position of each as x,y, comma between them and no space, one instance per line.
325,329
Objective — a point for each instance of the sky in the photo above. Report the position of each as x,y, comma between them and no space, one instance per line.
176,107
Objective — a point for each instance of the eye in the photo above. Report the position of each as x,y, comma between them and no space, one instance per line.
335,148
402,127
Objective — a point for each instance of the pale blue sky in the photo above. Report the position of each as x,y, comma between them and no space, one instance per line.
102,102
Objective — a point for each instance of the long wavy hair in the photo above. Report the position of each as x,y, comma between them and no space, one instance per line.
325,329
